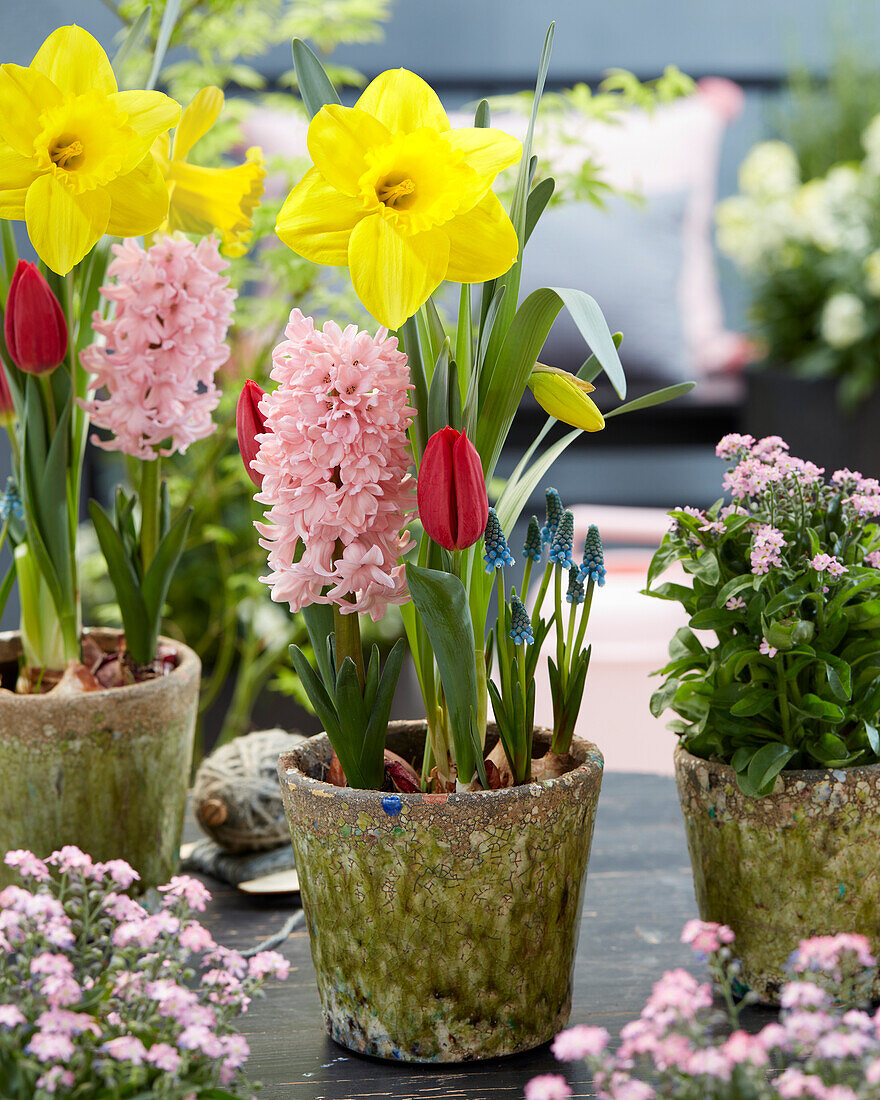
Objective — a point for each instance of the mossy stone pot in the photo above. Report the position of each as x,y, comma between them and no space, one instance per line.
105,770
799,862
443,927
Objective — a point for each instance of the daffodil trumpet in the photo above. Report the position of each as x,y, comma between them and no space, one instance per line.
566,397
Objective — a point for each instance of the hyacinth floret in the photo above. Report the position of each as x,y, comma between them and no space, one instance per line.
593,565
575,593
498,553
334,461
162,348
520,623
552,517
563,542
533,547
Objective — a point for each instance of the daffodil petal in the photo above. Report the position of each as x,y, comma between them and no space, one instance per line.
24,93
393,273
75,62
483,242
403,101
149,113
197,119
338,139
559,397
139,201
487,151
222,199
63,226
16,175
316,220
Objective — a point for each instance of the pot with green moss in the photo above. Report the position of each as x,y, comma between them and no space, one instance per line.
799,862
443,926
106,770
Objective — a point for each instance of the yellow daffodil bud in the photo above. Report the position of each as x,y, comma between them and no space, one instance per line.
566,397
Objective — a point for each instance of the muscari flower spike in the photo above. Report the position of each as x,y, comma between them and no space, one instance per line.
563,542
520,623
554,515
575,593
10,503
533,546
498,553
593,565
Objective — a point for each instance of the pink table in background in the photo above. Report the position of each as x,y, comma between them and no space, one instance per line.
630,633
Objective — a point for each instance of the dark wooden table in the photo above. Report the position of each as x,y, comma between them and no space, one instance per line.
639,893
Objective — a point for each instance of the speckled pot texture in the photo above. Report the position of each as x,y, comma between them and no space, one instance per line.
105,770
800,862
443,927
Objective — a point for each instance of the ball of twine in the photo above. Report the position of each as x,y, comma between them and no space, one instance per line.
236,796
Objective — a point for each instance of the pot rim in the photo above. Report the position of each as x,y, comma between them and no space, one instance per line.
591,764
188,664
788,775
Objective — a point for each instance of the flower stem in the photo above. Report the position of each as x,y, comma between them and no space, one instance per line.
150,482
348,641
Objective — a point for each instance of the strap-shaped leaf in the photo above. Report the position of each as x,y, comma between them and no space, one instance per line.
412,345
319,625
132,39
158,576
483,114
649,400
6,587
377,719
126,585
443,606
371,684
539,196
317,693
438,397
315,86
166,28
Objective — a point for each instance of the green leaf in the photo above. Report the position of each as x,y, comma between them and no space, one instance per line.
166,28
757,700
685,644
767,763
377,717
539,196
320,700
649,400
6,587
319,625
713,618
438,397
815,707
870,732
442,603
705,567
315,87
517,491
126,585
411,344
160,573
132,40
831,751
733,587
839,677
482,115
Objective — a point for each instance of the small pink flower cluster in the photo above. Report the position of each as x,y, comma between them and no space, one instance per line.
820,1048
765,464
766,546
71,1009
162,347
826,563
334,461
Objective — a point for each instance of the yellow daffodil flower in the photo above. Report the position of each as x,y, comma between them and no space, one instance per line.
400,198
564,396
209,199
75,151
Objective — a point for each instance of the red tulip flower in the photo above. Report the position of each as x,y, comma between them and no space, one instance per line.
34,326
453,505
249,423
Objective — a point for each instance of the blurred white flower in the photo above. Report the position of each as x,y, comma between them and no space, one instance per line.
771,169
835,213
872,273
756,234
843,320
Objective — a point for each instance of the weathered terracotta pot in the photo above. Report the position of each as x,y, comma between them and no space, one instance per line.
105,770
800,862
443,927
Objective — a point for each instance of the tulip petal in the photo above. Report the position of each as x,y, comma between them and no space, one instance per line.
338,139
24,94
316,220
75,62
435,492
483,242
487,151
139,201
403,101
393,274
16,175
63,226
149,113
196,120
471,499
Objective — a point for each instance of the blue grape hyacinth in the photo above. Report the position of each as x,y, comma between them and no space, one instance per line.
533,546
498,553
562,546
593,565
554,515
575,593
520,623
